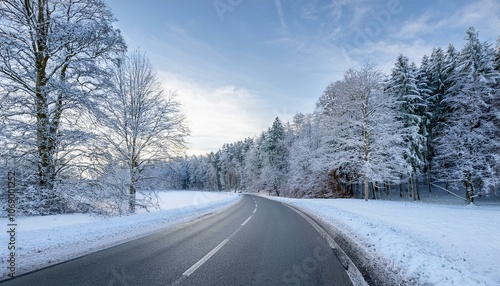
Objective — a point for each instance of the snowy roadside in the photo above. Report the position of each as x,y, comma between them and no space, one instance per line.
47,240
414,243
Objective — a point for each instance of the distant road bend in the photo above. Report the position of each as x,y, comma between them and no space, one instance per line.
255,242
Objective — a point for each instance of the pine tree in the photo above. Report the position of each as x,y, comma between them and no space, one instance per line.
276,155
442,75
403,86
214,172
469,142
424,88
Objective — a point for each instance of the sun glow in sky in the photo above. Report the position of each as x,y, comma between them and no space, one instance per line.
238,64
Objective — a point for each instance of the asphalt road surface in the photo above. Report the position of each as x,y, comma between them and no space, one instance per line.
255,242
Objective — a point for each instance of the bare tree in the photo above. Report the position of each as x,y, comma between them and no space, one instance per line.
52,54
139,123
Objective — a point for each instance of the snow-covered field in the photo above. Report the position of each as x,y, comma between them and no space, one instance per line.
414,243
47,240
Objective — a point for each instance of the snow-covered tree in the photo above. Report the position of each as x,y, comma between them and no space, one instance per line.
424,85
231,164
403,85
252,168
364,135
52,55
275,154
308,174
497,55
438,71
468,144
139,123
442,118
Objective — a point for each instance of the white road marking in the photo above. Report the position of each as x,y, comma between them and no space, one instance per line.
205,258
245,222
198,264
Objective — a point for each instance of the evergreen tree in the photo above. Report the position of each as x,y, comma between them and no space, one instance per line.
469,143
252,171
424,88
497,55
442,74
214,172
276,155
403,86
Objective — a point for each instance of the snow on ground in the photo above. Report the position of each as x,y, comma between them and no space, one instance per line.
416,243
47,240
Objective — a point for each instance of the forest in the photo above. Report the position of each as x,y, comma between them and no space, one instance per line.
436,124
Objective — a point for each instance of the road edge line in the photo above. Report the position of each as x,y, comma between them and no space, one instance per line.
351,268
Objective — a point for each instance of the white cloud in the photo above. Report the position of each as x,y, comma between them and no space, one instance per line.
217,115
416,27
479,13
482,14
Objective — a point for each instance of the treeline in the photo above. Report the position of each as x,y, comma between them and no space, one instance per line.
435,123
81,120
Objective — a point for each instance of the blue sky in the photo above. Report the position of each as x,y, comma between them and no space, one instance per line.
238,64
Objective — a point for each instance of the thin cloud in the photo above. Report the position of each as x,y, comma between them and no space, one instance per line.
279,8
189,56
482,14
308,11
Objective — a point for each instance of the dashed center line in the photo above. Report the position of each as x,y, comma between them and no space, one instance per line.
245,222
198,264
205,258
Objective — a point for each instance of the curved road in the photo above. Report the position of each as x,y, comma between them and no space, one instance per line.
255,242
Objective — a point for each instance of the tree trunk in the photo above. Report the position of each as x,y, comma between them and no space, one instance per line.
45,140
374,190
132,187
131,202
410,187
416,187
389,190
367,188
429,179
469,189
401,186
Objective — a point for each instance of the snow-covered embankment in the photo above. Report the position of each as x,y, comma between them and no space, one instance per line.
415,243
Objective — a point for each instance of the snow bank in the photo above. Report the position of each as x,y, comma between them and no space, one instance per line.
47,240
415,243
